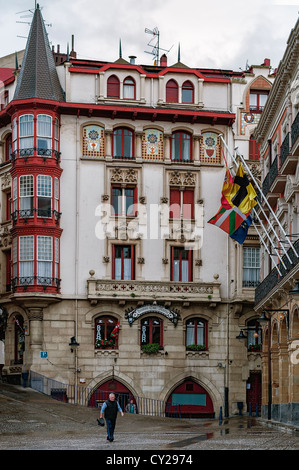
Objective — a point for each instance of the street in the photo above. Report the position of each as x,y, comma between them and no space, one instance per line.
33,421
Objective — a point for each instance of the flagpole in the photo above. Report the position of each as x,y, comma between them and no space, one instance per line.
246,166
269,206
266,248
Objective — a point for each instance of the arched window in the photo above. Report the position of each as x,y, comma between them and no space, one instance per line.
106,332
113,87
8,148
187,92
129,88
181,147
151,331
123,144
172,92
196,334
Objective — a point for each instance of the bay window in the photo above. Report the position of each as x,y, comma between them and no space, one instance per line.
26,196
26,131
44,135
44,196
26,259
181,264
44,259
123,262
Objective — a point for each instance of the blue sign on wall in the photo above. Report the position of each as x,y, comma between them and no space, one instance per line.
44,354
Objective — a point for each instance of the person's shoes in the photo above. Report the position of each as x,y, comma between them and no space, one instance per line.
112,439
108,438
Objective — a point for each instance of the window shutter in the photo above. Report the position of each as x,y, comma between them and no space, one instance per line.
172,92
188,204
175,204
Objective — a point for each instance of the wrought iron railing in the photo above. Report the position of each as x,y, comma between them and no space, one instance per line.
85,396
285,149
29,152
26,281
274,277
28,213
295,129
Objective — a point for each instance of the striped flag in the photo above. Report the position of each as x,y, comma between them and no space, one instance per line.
228,219
115,331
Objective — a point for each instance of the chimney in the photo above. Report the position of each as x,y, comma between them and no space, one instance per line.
132,59
266,63
163,60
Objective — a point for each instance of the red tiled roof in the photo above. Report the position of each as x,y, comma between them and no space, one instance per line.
6,75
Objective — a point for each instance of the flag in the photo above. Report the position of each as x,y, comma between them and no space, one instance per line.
226,190
242,192
229,220
115,331
240,234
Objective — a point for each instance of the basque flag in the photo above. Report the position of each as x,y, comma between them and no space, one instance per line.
241,232
115,331
228,219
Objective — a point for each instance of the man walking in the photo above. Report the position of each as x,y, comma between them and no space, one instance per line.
110,409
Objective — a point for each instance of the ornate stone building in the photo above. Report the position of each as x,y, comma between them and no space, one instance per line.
109,174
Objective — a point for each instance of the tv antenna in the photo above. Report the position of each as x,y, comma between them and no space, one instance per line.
155,47
31,13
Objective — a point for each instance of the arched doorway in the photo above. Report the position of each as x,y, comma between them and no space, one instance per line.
101,394
193,400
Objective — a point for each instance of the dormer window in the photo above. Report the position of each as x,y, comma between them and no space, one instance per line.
172,92
257,100
113,87
129,88
187,92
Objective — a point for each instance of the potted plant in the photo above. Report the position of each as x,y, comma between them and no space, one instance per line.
195,347
105,344
150,348
254,347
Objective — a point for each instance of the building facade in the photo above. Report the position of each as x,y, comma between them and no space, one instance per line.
276,296
111,276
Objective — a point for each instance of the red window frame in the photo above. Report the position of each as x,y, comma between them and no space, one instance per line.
106,332
8,148
188,86
150,327
113,87
115,248
124,133
172,91
197,320
181,137
177,198
130,83
258,107
8,270
179,253
254,149
118,192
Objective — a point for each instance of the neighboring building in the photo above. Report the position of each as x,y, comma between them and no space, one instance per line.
276,299
109,174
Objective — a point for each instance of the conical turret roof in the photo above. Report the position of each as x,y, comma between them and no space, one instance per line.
38,76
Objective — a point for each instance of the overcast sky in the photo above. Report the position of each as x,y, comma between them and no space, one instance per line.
224,34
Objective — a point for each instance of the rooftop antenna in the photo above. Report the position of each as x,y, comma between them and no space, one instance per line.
155,47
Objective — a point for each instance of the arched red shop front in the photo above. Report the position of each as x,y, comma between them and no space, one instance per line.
101,394
193,400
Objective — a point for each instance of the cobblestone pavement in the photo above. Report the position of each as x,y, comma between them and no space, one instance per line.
32,421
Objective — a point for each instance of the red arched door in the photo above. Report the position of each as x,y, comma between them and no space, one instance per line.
101,394
193,400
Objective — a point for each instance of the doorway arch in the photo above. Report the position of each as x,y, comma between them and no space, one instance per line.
193,399
101,394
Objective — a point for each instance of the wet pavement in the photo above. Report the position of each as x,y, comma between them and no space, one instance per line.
30,420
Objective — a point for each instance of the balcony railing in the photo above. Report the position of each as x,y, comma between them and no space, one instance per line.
150,290
274,277
32,151
295,129
31,282
285,149
24,214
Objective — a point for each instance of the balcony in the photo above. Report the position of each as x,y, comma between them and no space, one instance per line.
274,279
295,135
26,153
99,289
288,162
35,284
46,215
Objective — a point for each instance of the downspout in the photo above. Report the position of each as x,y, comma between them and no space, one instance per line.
77,247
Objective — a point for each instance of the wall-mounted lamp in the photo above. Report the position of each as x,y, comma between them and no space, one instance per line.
241,335
73,344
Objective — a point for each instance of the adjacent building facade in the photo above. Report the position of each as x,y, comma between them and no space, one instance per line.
111,276
276,297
